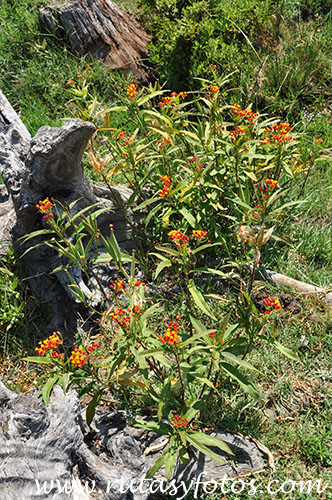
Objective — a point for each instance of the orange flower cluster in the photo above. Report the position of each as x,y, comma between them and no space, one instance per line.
166,100
79,357
45,207
132,90
52,342
260,209
165,191
244,113
212,335
238,130
272,304
123,316
126,140
162,142
178,421
213,88
121,134
171,336
281,136
139,283
178,236
117,285
269,184
198,233
94,346
56,355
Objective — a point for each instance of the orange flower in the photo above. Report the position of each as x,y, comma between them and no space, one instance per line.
79,357
164,192
117,285
70,82
171,336
178,421
178,237
272,304
198,233
132,90
45,207
52,342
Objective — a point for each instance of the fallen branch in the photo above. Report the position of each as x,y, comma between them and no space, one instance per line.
300,286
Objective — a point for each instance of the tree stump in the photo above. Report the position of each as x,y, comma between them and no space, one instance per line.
48,452
50,165
98,28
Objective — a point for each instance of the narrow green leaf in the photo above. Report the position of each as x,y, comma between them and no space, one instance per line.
157,465
241,379
198,325
38,359
204,449
188,216
91,409
287,352
208,440
46,390
199,299
231,357
171,457
161,266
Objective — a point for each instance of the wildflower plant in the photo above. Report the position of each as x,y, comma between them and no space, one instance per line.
210,179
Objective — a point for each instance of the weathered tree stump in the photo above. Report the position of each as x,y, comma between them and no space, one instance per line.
44,453
99,28
50,165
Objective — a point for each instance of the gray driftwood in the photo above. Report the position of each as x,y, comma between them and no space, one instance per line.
299,286
99,28
50,165
46,447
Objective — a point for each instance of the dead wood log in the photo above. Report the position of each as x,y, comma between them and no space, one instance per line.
299,286
44,450
99,28
50,165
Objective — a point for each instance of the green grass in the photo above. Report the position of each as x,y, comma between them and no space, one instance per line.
295,82
35,68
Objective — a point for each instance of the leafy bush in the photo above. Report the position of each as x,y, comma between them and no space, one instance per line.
212,176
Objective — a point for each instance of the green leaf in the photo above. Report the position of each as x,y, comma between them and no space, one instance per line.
91,409
64,381
158,427
241,379
38,359
204,449
148,97
198,325
161,266
199,299
231,357
146,203
46,390
170,251
157,465
171,457
208,440
207,245
287,352
188,216
194,409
